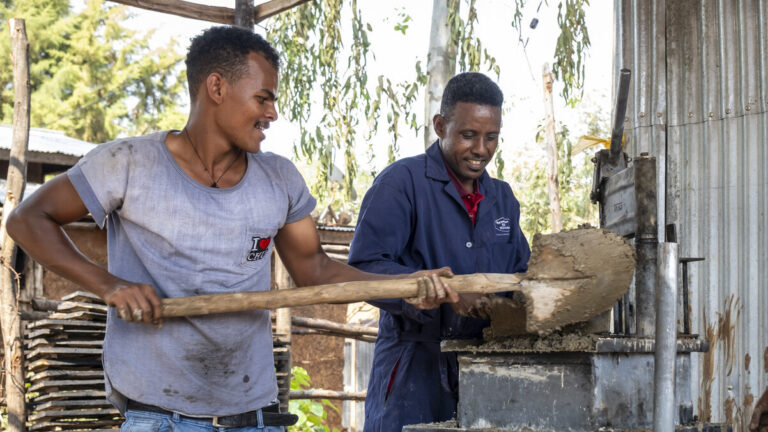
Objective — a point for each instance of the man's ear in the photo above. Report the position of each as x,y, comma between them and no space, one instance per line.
214,86
438,122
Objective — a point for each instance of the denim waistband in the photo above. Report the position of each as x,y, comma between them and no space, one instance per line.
267,416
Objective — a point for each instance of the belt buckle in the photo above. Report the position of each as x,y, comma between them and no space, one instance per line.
215,423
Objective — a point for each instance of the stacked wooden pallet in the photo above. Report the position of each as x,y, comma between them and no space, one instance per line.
282,353
66,382
66,378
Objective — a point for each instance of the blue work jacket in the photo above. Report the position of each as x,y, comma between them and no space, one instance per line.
412,219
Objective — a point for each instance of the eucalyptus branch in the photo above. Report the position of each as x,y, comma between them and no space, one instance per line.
572,43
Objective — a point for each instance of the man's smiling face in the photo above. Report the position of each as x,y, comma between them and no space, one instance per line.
468,139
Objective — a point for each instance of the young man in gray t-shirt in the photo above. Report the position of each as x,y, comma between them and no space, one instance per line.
193,212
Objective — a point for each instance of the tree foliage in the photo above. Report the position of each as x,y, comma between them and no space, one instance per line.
571,46
312,414
91,77
320,65
529,181
326,90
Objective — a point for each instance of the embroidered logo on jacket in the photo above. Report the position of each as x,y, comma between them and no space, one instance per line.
502,226
259,248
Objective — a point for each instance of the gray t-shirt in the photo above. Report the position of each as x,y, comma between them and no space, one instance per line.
185,239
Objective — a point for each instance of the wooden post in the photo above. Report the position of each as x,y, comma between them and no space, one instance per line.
283,328
283,315
9,283
550,142
244,14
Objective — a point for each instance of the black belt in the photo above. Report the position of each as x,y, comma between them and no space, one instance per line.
270,415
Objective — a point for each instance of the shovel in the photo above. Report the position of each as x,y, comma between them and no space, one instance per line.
572,276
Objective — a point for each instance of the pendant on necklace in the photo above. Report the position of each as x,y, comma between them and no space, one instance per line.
214,185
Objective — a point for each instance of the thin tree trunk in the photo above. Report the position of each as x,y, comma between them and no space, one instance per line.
9,283
550,143
441,62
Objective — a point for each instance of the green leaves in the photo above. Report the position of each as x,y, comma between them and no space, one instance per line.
571,47
325,86
314,78
312,415
402,25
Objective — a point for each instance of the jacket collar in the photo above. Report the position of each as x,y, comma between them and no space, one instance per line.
436,168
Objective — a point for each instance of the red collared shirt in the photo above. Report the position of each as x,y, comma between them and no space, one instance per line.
471,200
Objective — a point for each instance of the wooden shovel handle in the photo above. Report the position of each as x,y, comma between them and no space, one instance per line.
346,292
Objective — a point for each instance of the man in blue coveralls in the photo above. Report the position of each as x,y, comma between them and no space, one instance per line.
424,212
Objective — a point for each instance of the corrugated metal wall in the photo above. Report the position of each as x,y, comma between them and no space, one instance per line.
699,103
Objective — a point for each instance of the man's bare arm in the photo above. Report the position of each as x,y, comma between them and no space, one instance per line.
299,247
36,225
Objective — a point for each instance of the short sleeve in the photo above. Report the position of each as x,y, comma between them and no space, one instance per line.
300,201
101,177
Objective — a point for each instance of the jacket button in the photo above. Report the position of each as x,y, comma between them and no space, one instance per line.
468,244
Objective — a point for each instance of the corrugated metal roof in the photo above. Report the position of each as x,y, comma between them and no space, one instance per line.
349,229
700,104
47,141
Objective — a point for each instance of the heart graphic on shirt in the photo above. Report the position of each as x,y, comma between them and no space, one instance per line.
264,243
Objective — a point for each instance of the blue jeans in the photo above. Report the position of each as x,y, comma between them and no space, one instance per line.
143,421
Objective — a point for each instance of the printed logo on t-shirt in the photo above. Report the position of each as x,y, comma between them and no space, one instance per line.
502,226
259,248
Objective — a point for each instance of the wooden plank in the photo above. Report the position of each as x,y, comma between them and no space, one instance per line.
77,306
327,394
221,15
274,7
66,403
81,315
53,323
60,333
64,343
77,394
43,304
344,329
79,414
82,296
33,315
63,352
72,425
306,331
84,362
72,374
328,236
66,384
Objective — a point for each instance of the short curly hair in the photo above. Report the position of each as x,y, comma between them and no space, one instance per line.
472,87
224,49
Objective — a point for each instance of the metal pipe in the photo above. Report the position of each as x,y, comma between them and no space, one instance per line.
666,339
646,241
